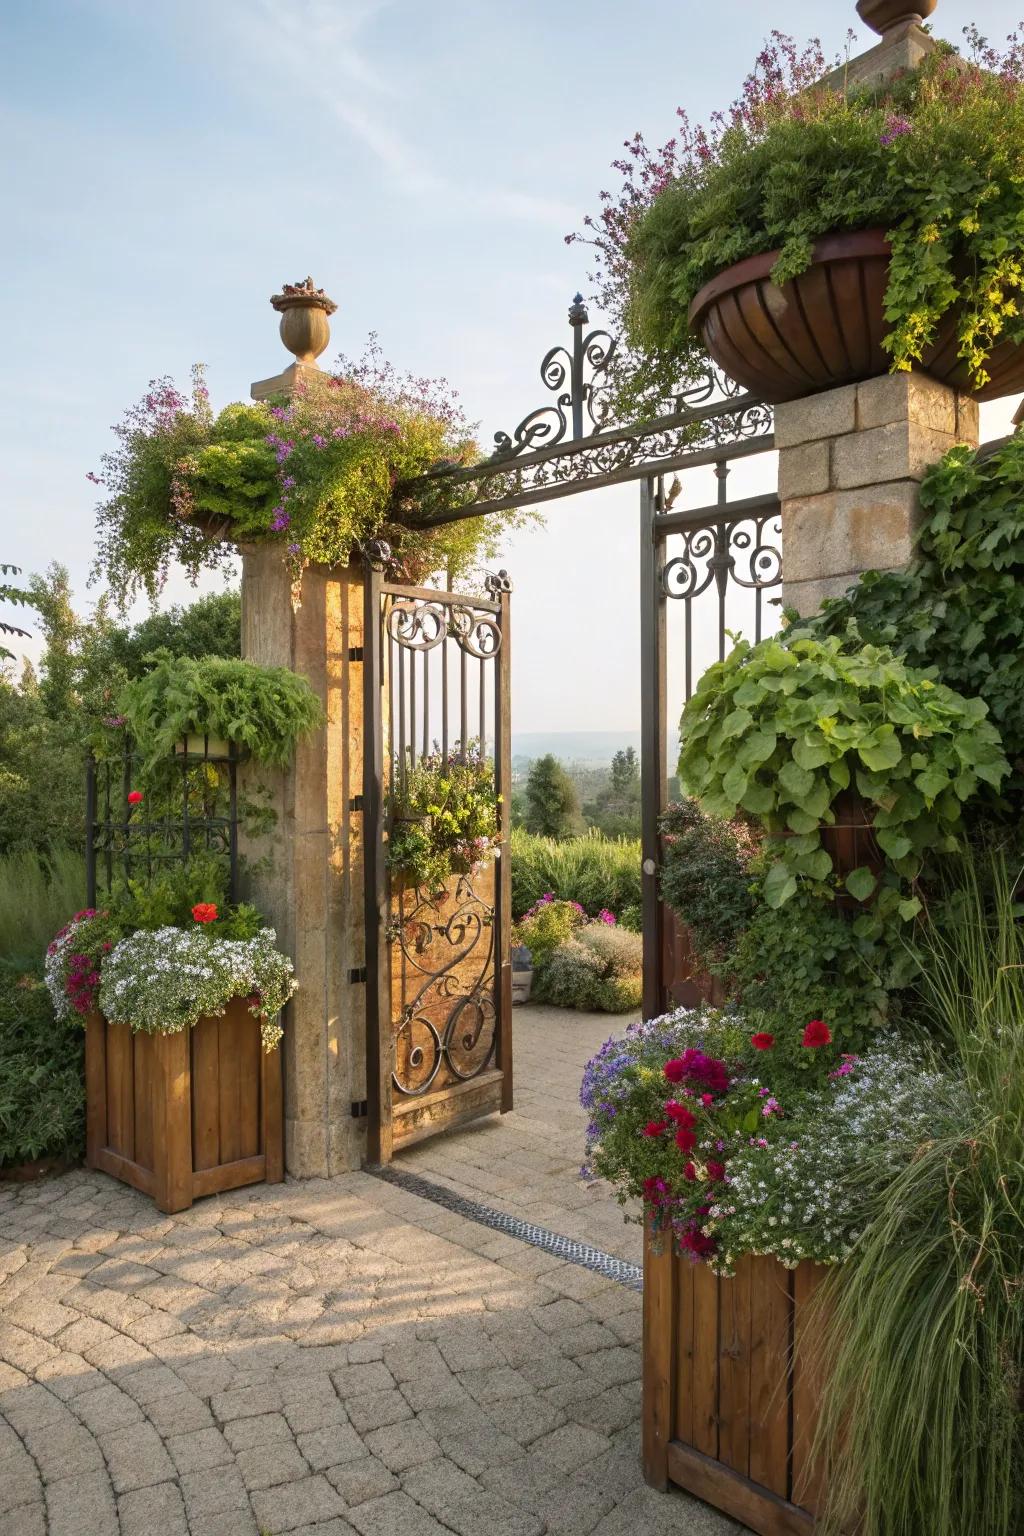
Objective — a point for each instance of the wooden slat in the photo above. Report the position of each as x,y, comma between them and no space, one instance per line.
95,1087
272,1115
172,1121
250,1050
659,1329
230,1067
756,1508
416,1119
124,1169
808,1381
705,1359
142,1098
205,1095
734,1370
120,1092
247,1170
771,1309
683,1414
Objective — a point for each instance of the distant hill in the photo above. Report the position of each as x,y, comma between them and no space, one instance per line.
586,748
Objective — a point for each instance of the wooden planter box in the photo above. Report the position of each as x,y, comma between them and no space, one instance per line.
730,1396
187,1114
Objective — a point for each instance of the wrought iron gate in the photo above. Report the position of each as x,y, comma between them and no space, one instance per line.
438,970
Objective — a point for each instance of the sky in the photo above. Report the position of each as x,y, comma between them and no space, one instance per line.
168,167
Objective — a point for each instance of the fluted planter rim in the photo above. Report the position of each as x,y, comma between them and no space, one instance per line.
754,269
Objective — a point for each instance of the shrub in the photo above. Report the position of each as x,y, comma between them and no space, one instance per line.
599,969
595,871
548,925
706,880
42,1097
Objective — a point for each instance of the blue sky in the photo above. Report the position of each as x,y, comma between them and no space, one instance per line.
168,166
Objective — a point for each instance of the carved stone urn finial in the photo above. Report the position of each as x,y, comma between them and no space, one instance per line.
304,311
884,16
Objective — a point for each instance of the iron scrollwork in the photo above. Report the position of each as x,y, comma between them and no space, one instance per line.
710,555
585,369
420,625
451,1020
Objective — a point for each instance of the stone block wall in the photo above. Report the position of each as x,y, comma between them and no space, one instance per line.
850,465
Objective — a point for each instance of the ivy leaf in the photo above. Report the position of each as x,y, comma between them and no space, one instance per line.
779,885
734,783
796,781
909,908
757,748
735,723
809,753
885,752
801,821
861,883
896,844
758,799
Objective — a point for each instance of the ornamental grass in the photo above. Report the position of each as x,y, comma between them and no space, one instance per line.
924,1419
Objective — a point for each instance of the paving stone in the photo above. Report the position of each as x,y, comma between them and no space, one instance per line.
267,1465
156,1511
377,1409
572,1446
136,1457
357,1380
394,1515
357,1481
19,1481
212,1491
315,1413
245,1403
459,1502
63,1450
304,1502
26,1520
331,1445
106,1407
199,1449
400,1446
81,1506
241,1434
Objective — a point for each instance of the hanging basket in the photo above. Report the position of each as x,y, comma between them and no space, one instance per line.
825,327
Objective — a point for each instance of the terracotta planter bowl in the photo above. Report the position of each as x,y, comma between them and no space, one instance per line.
883,15
825,328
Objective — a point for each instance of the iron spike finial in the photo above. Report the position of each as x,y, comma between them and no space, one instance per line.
578,314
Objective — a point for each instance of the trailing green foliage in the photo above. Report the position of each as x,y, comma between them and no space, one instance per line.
781,730
263,709
931,157
924,1418
37,891
959,606
42,1098
706,879
593,870
12,594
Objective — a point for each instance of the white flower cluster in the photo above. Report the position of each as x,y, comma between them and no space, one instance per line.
167,979
55,967
802,1198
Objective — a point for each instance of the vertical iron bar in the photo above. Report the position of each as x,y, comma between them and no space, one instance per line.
90,831
108,851
126,812
426,702
463,702
503,874
653,744
233,822
483,707
444,698
721,553
577,319
413,722
401,713
375,882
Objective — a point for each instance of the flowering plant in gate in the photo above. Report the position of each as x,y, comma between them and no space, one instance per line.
444,811
689,1115
164,980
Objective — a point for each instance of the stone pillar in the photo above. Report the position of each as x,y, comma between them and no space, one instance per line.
305,870
850,464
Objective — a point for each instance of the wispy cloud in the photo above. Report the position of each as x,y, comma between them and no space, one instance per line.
316,49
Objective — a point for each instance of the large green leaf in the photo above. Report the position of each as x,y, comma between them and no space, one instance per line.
779,885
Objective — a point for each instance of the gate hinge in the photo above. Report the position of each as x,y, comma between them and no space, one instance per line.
355,653
357,973
360,1109
356,803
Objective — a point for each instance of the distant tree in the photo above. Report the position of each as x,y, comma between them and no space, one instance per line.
12,594
552,804
625,772
615,810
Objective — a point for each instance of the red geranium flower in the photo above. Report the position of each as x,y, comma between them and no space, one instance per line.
680,1114
655,1127
675,1071
685,1139
134,796
205,912
690,1172
762,1041
716,1171
817,1033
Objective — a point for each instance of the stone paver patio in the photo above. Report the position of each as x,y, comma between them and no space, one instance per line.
334,1357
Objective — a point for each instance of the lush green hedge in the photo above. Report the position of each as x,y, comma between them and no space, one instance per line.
597,872
38,893
42,1092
